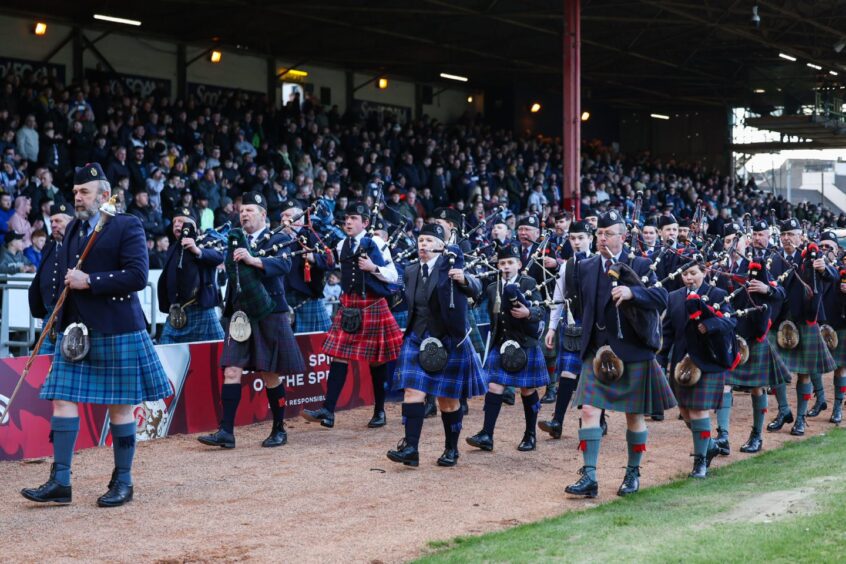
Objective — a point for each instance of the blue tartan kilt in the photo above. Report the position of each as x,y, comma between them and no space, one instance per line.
122,369
534,375
203,325
462,376
567,361
310,316
48,347
765,368
271,347
401,318
643,388
811,356
480,312
706,394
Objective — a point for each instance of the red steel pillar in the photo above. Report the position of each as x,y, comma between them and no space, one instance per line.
572,105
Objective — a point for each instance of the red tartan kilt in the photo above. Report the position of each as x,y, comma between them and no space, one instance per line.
379,339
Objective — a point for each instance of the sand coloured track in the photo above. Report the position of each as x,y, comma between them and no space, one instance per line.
332,495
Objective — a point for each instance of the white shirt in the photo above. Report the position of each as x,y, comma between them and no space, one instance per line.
559,294
386,273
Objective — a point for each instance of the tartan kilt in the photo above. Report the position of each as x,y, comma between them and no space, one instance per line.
764,368
379,339
642,389
476,336
270,348
401,317
203,325
310,316
462,376
567,361
120,369
534,375
480,312
706,394
840,354
811,356
48,347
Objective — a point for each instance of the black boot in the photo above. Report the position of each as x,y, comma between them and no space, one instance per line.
378,420
431,409
780,421
585,487
49,491
723,442
631,483
603,424
836,413
220,438
552,427
322,416
753,444
508,396
449,457
713,451
481,440
405,454
700,467
549,395
465,409
819,406
118,494
798,429
528,443
278,436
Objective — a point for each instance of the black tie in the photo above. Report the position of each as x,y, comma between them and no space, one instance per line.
608,263
83,229
425,273
348,245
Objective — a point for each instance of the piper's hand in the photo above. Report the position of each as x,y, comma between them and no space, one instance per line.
701,328
620,294
758,287
367,265
310,257
843,287
457,274
76,280
549,340
819,265
243,255
550,262
520,311
190,245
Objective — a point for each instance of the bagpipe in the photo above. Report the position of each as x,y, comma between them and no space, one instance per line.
718,344
250,294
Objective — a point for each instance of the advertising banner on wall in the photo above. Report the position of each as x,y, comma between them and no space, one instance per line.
194,406
21,67
213,95
141,85
381,112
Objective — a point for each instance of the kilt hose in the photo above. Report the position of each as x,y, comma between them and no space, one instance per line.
765,368
462,377
270,348
568,361
378,341
811,356
707,394
203,325
121,369
309,314
642,389
534,375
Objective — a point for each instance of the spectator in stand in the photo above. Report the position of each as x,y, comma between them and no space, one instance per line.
13,260
6,211
33,252
12,180
150,218
117,166
19,222
138,172
26,140
159,251
244,147
155,186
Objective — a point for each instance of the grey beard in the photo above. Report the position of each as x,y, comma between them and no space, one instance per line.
86,214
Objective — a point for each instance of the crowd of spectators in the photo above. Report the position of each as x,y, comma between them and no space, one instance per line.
162,154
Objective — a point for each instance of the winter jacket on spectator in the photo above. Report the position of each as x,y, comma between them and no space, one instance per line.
26,140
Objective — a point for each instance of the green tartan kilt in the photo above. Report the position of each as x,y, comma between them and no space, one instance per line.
840,354
706,394
642,389
765,368
811,356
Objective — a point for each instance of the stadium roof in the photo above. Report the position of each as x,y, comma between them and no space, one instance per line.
683,53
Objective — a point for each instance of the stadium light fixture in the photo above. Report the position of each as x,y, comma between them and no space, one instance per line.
113,19
840,45
759,91
215,56
813,66
469,99
454,77
659,116
382,84
585,116
535,108
787,57
40,28
833,73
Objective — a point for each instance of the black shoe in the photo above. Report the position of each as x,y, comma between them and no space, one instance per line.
713,451
465,409
322,416
753,444
836,413
552,427
508,396
819,406
700,468
449,457
585,487
657,416
723,442
603,424
118,494
799,427
631,483
378,420
405,454
220,438
278,436
780,421
550,395
528,443
481,440
50,491
431,410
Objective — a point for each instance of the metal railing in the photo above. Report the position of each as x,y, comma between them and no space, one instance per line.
6,329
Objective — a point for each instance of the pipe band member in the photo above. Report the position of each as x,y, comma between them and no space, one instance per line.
834,303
